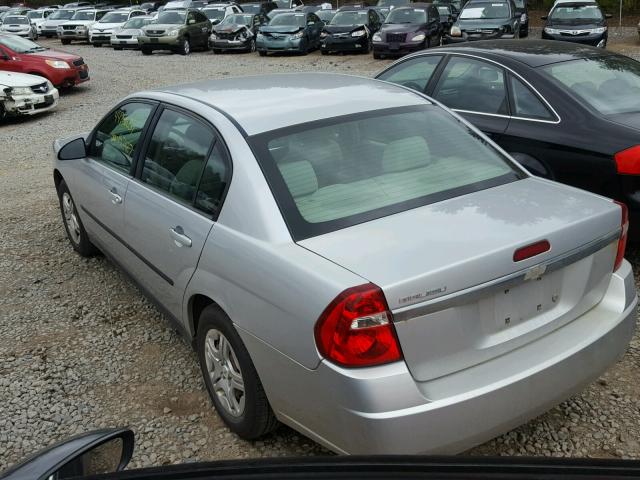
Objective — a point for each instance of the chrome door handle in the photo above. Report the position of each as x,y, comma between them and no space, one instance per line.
179,238
115,198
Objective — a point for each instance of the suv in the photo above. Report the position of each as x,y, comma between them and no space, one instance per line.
49,27
176,30
78,27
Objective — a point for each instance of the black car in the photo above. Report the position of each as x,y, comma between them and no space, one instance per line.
259,8
447,17
523,10
567,112
104,454
236,32
579,22
485,20
408,29
350,30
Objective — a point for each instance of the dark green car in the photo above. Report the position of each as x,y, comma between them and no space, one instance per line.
177,30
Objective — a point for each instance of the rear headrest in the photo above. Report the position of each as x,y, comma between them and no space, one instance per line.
300,177
405,154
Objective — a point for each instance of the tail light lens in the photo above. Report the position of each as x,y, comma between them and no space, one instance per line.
628,161
622,242
356,329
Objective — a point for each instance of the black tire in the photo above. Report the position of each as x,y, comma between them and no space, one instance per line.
215,51
258,418
262,53
146,51
97,45
377,56
324,52
3,113
82,245
185,48
65,41
252,46
117,48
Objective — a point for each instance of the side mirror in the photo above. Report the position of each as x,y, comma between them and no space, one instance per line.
608,15
93,453
73,150
544,17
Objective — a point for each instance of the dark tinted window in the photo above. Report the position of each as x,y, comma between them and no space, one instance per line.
414,73
526,103
472,85
176,155
118,135
213,181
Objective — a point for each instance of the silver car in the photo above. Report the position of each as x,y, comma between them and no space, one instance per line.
352,259
19,25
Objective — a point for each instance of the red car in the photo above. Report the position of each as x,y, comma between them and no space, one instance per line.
21,55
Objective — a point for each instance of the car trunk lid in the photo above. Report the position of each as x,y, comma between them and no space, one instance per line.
460,252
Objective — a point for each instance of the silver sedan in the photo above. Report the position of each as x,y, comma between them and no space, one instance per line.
352,259
19,25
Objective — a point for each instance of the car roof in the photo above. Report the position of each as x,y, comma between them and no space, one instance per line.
266,102
534,53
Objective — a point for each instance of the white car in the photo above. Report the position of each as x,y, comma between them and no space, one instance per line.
19,25
216,12
22,94
39,16
78,27
100,32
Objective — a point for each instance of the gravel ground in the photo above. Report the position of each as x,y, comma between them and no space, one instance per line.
80,348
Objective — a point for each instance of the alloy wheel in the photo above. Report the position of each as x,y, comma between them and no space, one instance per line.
70,218
224,372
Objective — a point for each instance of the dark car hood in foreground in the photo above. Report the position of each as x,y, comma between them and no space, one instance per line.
391,468
342,29
401,27
281,29
483,24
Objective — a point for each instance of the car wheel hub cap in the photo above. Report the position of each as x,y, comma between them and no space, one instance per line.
224,372
70,217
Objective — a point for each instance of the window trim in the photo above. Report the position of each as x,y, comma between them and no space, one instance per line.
438,72
143,135
217,138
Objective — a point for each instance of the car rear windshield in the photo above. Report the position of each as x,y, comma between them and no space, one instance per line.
609,84
115,17
576,12
16,21
407,15
335,173
491,10
349,18
84,15
62,15
288,19
171,18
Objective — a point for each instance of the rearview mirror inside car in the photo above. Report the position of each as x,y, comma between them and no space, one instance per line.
73,150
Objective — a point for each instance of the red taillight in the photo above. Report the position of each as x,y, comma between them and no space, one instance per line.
531,250
622,242
628,161
356,329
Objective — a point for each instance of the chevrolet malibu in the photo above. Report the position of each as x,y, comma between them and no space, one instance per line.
351,259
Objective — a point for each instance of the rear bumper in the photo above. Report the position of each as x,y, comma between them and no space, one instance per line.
383,410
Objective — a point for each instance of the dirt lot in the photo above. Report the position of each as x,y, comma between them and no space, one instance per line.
80,348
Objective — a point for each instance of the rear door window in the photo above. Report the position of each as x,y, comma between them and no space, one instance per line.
527,104
414,73
472,85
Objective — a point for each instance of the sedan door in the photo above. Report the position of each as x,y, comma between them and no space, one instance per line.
172,202
100,181
477,90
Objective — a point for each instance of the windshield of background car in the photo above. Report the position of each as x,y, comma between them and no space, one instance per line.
62,15
392,3
323,181
171,17
346,19
576,12
478,11
325,15
35,14
407,15
16,21
114,17
610,84
84,15
214,13
251,8
288,19
137,23
19,45
238,19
